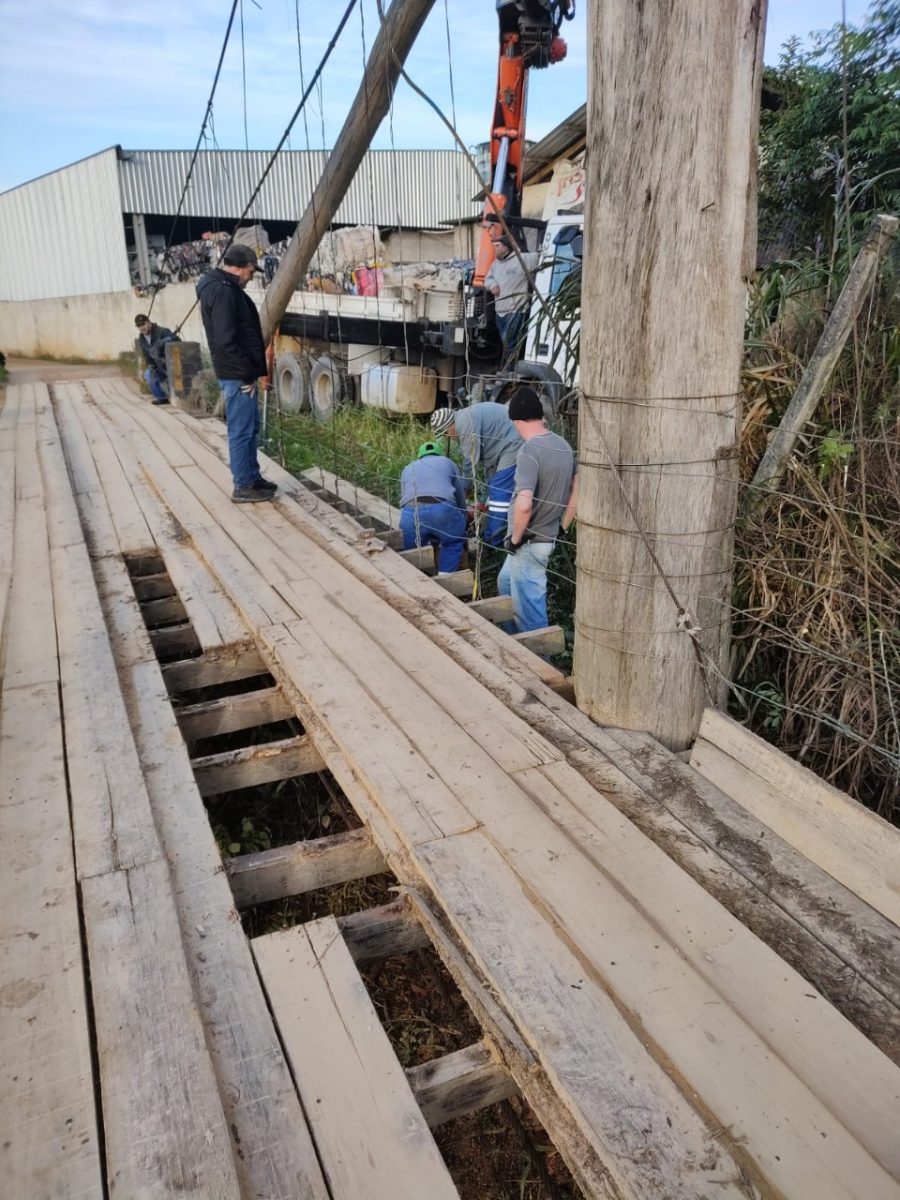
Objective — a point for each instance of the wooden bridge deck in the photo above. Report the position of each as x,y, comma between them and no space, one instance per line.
692,1007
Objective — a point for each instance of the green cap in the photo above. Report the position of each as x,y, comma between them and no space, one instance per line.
430,448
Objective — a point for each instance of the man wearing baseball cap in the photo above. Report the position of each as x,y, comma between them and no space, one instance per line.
543,505
238,355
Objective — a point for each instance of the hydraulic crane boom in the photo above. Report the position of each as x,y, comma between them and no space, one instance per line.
529,38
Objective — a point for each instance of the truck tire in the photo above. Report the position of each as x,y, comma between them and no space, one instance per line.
292,383
547,383
328,387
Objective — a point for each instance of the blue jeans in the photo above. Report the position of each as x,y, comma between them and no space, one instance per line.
158,386
499,494
440,525
242,419
511,326
524,577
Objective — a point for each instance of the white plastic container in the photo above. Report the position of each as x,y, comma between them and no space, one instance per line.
398,388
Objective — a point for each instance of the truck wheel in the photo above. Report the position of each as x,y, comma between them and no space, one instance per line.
292,383
547,383
328,387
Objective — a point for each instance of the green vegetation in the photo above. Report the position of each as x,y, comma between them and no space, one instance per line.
830,135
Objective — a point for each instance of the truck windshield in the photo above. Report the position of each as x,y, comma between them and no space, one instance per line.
567,249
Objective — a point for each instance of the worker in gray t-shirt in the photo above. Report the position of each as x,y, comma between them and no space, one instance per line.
487,438
544,502
508,282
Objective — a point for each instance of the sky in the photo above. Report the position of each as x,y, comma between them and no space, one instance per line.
78,77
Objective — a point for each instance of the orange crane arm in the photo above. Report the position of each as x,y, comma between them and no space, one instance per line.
529,38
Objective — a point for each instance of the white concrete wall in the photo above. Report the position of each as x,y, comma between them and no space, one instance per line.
95,327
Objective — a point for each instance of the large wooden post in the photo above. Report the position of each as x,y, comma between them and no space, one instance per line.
396,36
673,96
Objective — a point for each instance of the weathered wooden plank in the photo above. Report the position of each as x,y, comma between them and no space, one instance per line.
864,944
248,710
272,1143
414,667
382,932
110,811
30,652
848,841
251,766
47,1104
507,820
303,867
163,1124
209,529
63,524
213,668
100,533
596,1065
7,533
370,1134
133,535
421,806
460,1083
544,642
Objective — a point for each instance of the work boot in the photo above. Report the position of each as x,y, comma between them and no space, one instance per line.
250,495
265,485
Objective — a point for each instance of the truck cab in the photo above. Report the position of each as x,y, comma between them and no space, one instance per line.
558,285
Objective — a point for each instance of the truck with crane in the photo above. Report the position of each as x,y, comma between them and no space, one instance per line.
431,337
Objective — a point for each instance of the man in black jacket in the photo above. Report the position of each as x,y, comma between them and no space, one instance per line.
238,355
152,342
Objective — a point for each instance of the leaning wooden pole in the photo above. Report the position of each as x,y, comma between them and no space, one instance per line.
673,101
395,39
837,329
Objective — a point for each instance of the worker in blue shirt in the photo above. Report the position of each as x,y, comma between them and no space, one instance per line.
433,506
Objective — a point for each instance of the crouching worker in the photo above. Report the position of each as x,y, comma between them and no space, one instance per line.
487,439
152,341
433,506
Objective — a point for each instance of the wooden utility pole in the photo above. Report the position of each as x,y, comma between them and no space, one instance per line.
395,39
809,391
673,102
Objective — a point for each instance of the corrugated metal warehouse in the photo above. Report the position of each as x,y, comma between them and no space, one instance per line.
78,231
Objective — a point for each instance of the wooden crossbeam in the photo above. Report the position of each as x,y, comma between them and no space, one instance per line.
303,867
382,932
167,608
153,587
457,583
421,557
172,640
251,766
232,713
460,1083
214,668
544,642
494,608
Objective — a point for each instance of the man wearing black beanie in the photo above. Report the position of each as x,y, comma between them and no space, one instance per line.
544,502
